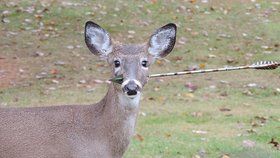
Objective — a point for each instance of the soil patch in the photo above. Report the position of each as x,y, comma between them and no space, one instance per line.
9,72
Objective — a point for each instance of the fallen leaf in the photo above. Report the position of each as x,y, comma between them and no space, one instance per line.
167,135
70,47
189,95
90,90
182,40
54,71
177,58
262,119
5,20
55,81
131,32
38,54
192,1
247,92
202,65
275,143
248,144
230,60
212,56
225,156
251,130
225,109
197,114
159,62
154,1
52,88
224,94
98,81
156,88
191,86
139,137
193,67
82,81
199,132
41,75
224,82
59,63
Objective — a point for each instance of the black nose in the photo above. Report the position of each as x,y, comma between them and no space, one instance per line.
131,88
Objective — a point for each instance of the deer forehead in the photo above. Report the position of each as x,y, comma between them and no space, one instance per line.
130,50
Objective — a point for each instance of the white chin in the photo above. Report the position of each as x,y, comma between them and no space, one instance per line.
132,96
130,101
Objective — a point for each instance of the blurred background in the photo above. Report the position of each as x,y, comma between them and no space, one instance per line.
44,61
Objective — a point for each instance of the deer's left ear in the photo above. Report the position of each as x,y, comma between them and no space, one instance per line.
97,39
162,41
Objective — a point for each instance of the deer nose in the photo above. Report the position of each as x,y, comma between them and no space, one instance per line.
131,88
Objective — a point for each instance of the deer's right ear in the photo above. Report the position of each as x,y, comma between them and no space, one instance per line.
97,39
162,41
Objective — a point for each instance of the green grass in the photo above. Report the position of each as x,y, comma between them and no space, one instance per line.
167,127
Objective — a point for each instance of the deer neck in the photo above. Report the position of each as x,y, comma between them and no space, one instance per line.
120,109
120,114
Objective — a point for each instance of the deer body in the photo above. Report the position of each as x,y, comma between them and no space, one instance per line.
86,131
68,131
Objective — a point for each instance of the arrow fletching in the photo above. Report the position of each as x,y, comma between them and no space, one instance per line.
266,65
117,79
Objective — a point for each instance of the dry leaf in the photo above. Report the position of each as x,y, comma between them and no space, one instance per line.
196,156
199,132
191,86
154,1
248,144
98,81
159,62
197,114
202,65
54,71
225,156
275,143
225,109
167,135
139,137
189,95
192,1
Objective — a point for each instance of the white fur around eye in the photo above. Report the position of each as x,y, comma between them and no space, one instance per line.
144,59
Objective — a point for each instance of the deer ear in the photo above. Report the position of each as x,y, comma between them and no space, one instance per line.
162,41
97,39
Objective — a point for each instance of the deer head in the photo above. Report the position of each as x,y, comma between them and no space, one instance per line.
130,61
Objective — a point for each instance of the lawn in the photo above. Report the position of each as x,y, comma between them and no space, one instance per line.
44,61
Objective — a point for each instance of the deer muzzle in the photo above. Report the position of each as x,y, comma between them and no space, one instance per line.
131,87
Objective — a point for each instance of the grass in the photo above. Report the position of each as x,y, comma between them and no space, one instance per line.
170,115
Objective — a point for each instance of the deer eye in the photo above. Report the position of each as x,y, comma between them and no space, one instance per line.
144,63
117,63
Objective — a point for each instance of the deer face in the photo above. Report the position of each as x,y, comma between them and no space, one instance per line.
130,61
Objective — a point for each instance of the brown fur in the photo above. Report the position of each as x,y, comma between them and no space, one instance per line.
84,131
67,131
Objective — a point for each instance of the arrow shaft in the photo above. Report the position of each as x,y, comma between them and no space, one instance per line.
265,65
198,71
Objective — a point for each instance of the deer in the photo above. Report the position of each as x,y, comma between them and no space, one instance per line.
101,130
